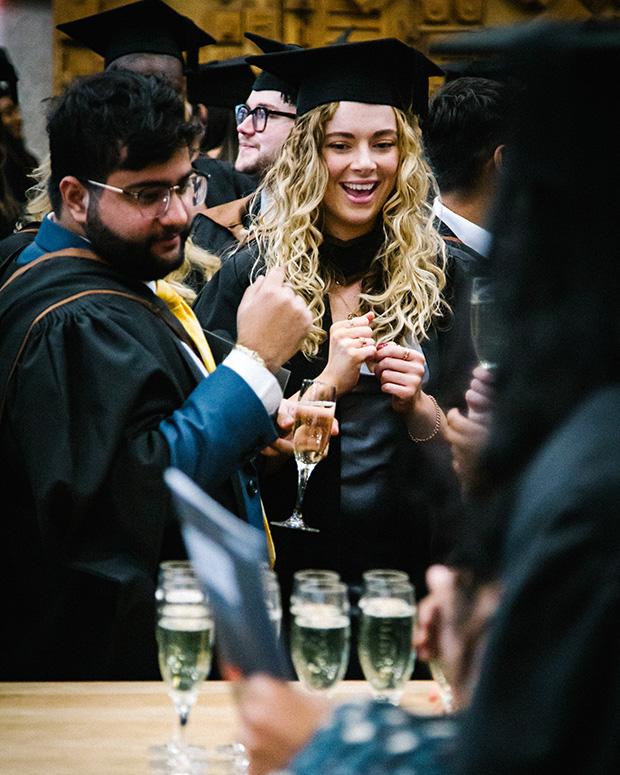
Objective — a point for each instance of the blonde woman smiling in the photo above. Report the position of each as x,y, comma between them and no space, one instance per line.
348,219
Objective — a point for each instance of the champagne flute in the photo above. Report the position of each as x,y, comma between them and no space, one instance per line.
485,331
445,690
385,648
378,576
314,417
185,635
308,575
320,634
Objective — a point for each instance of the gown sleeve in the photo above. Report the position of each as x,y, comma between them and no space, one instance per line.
217,303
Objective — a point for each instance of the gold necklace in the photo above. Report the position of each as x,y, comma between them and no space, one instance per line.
352,312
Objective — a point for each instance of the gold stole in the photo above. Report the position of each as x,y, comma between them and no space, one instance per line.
185,314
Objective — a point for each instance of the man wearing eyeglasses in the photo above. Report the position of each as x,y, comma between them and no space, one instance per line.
102,387
264,122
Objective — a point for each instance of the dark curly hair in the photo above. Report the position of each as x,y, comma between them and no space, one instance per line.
114,120
468,119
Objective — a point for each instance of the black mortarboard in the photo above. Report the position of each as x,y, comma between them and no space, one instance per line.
8,76
145,27
267,81
223,83
380,72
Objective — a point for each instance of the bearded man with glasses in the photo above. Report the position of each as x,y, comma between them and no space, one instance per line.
105,383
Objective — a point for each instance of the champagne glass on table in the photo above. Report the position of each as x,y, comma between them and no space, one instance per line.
301,577
485,331
385,649
185,634
314,416
320,634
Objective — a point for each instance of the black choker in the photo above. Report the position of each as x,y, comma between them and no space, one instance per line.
351,259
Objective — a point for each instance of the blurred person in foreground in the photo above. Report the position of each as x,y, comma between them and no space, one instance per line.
107,380
547,690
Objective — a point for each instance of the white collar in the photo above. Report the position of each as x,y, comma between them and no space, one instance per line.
469,233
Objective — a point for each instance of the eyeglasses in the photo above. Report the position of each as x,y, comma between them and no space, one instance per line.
259,114
154,201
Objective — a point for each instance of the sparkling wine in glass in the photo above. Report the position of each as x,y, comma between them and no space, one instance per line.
314,416
321,634
485,330
385,650
185,634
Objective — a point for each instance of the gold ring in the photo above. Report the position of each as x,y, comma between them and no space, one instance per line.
406,355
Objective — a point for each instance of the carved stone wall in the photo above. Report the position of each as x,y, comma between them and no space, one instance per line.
315,22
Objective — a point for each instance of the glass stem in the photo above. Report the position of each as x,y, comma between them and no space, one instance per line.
183,710
303,474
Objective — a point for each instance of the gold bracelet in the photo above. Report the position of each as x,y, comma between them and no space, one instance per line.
251,354
436,427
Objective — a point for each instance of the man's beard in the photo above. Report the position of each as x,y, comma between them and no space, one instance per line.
133,258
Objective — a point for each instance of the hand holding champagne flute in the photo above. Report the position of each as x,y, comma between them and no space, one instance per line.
314,417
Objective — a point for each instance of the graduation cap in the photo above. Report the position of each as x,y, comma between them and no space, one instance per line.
222,83
8,77
268,81
145,27
380,72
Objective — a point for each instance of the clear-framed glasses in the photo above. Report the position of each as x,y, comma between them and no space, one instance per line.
154,201
260,115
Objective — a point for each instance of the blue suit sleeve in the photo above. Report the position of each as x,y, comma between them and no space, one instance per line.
221,424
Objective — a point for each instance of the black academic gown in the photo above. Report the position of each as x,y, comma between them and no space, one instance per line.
219,229
548,697
225,183
86,516
378,499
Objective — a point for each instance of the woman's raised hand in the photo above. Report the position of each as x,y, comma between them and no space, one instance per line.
400,371
350,344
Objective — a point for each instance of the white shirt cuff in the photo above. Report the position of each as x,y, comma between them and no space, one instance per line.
260,379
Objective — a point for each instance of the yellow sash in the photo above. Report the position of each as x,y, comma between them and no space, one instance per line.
185,314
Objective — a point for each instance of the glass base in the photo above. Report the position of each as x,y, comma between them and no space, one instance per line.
174,760
228,759
296,523
390,696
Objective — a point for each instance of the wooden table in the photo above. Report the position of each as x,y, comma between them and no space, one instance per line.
106,728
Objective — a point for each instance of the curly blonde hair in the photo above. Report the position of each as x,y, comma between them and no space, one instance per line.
404,283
